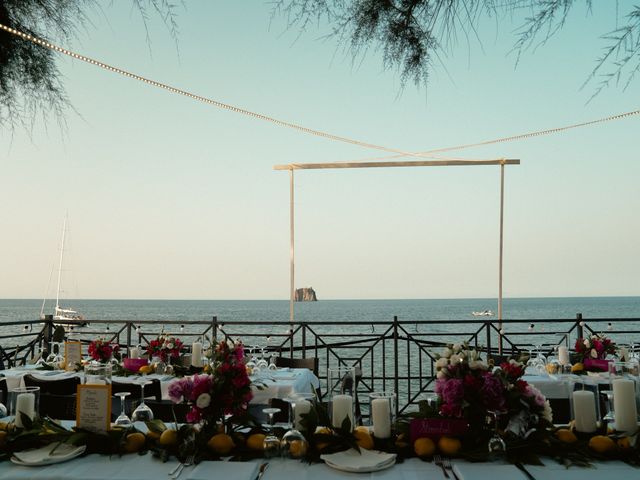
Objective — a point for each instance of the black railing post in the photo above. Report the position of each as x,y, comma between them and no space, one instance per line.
396,366
579,328
128,335
487,325
304,340
214,329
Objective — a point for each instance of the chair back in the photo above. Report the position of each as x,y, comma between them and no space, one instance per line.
64,386
310,362
152,390
58,407
4,392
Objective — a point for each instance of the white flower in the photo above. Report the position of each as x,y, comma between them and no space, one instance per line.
446,353
547,413
441,374
454,359
587,343
170,346
594,354
203,401
457,347
442,362
477,364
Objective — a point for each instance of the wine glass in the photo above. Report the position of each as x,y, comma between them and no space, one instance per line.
496,443
610,416
271,443
123,420
262,363
142,413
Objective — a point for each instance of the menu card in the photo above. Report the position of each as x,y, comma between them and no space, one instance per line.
93,407
72,354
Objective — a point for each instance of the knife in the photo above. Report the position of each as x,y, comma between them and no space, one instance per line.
525,471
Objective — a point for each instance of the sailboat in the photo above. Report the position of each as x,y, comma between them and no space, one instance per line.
62,316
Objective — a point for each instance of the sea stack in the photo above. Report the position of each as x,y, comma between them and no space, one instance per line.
306,295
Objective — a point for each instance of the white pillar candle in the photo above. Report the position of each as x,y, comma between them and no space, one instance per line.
196,354
342,408
624,405
134,352
381,417
301,407
584,410
563,355
25,403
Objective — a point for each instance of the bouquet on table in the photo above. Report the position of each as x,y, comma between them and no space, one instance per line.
469,389
102,350
593,351
165,347
227,391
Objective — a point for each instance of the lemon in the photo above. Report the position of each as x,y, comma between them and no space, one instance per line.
153,436
297,448
566,436
601,444
363,437
624,443
323,431
255,441
145,369
221,443
168,438
134,442
424,447
449,446
401,441
578,367
3,438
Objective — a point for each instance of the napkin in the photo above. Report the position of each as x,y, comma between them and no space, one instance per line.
353,461
49,454
229,470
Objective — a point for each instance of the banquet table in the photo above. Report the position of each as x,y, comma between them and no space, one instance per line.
136,467
274,384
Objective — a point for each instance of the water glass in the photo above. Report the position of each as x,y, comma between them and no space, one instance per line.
24,401
96,373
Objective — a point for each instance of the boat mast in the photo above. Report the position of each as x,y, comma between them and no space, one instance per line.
64,229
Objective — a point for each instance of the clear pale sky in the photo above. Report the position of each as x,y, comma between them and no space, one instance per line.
170,198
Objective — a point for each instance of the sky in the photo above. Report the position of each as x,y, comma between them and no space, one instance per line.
168,198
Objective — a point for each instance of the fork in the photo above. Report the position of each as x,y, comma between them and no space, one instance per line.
439,462
447,465
261,470
178,470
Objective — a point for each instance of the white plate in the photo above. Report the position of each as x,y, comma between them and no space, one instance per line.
42,456
363,461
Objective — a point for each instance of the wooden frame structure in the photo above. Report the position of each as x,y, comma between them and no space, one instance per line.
417,163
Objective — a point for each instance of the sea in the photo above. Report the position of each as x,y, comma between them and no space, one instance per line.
457,312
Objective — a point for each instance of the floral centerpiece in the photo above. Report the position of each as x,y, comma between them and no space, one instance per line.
593,351
165,347
226,391
468,388
102,350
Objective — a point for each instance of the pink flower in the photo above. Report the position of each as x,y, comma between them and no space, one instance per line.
180,390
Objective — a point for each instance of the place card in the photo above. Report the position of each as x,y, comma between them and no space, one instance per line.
437,427
93,407
72,355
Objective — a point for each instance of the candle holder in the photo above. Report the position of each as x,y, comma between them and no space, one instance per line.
24,401
341,386
97,373
382,407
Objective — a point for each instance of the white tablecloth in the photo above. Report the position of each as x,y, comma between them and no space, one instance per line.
559,386
135,467
277,384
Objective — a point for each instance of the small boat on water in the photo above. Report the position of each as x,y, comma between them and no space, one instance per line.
62,316
485,313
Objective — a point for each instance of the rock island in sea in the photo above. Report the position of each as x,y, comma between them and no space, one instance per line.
306,295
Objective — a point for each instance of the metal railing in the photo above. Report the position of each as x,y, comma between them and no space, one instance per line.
396,355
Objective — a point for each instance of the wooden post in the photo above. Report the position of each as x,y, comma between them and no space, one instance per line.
500,259
292,287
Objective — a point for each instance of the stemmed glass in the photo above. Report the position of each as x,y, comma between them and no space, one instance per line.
262,363
271,443
294,445
142,413
123,420
496,443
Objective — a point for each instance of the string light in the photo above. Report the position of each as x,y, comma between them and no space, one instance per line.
609,326
531,327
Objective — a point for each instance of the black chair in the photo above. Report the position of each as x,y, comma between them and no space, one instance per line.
58,407
165,409
4,392
311,363
153,390
65,386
